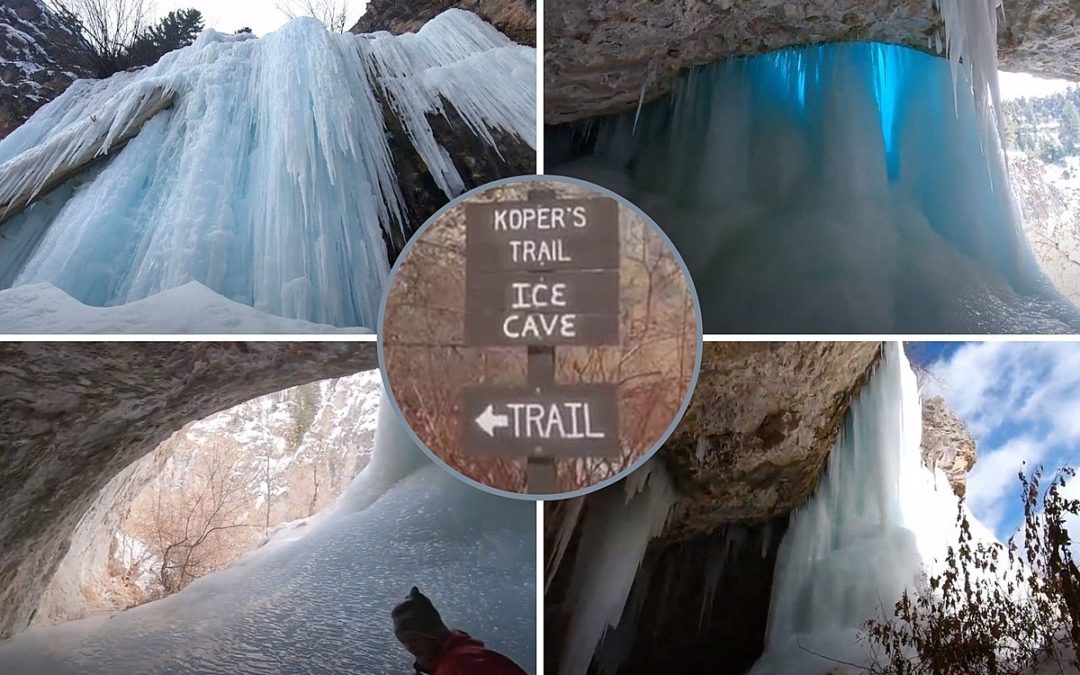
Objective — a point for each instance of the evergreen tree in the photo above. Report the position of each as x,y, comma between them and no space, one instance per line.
177,29
1070,128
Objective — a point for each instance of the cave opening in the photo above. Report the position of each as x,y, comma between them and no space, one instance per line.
843,187
214,490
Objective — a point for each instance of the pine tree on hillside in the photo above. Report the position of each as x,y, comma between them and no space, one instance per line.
1070,128
177,29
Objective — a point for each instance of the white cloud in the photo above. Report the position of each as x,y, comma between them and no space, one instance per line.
1021,401
995,475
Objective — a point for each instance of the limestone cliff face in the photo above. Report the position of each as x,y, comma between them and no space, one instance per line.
39,58
515,18
759,428
947,444
74,415
599,54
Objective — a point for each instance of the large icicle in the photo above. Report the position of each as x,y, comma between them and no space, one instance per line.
489,81
971,43
47,166
616,532
269,181
876,521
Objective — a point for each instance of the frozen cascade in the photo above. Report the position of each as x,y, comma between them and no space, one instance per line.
413,70
875,522
831,188
317,597
971,28
615,534
269,180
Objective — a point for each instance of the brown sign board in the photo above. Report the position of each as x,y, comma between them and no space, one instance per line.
542,272
579,420
550,234
540,328
572,307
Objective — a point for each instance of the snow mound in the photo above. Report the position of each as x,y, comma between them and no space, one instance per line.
190,308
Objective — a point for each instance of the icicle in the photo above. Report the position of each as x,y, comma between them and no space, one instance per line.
650,73
571,514
489,80
617,531
971,39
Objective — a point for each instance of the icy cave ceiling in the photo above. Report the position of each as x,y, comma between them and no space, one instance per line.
599,53
76,414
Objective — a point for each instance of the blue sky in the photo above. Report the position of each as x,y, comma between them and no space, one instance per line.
1021,401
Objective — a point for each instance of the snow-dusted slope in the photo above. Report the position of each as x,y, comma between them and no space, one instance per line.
321,602
39,59
1049,194
270,180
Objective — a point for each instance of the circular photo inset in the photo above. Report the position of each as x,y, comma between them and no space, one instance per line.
540,336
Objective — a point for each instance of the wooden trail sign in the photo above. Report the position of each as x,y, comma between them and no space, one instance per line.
542,272
579,420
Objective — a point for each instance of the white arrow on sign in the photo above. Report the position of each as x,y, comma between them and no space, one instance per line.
489,421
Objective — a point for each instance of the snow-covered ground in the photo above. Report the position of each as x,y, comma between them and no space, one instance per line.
317,598
188,309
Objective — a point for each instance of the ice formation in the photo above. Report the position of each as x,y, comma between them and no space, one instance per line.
317,597
836,188
615,534
876,521
971,28
269,180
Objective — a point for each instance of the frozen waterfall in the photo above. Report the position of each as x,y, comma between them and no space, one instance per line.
269,180
876,521
848,187
317,597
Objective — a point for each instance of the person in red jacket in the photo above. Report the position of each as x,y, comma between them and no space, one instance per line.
439,650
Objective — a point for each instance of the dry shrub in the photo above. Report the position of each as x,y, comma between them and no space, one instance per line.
987,613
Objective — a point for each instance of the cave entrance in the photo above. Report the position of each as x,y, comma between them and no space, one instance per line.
215,489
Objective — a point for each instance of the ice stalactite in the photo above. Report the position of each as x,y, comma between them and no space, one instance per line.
467,69
616,531
877,520
846,187
269,181
971,28
317,597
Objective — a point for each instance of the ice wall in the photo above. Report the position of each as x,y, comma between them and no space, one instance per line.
835,188
317,598
877,520
616,531
270,180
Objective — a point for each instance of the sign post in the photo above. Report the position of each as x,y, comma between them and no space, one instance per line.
540,273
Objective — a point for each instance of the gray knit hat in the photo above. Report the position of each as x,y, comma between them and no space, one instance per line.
418,615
